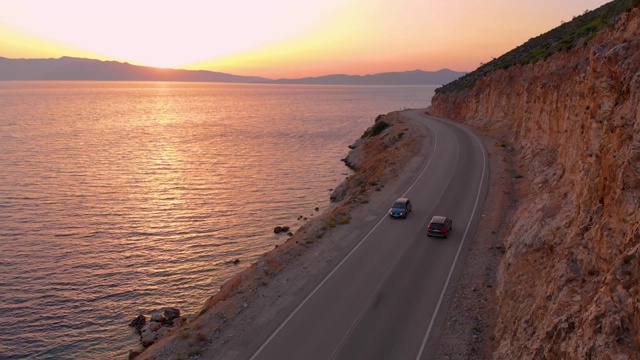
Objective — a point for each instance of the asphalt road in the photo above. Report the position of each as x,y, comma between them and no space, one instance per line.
388,298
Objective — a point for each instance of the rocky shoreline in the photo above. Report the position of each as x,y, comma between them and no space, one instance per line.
376,159
159,324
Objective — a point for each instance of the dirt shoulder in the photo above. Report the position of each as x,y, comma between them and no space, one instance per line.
253,302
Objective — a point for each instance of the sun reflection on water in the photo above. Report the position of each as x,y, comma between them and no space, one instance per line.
120,198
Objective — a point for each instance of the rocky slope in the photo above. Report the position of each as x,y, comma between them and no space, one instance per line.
569,283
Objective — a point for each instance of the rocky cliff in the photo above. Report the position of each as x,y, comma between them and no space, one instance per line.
569,280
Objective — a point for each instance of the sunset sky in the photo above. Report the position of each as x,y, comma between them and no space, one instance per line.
281,38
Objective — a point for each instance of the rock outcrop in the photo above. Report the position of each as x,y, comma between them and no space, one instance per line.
569,283
158,325
375,157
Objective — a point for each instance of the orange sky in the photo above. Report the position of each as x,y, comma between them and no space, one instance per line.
281,38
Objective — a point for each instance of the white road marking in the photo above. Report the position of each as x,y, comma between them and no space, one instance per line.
455,260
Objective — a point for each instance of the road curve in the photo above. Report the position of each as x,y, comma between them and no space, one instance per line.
387,299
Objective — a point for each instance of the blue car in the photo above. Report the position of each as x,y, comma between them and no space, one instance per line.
400,208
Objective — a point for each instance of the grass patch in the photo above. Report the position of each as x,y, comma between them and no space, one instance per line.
339,218
203,337
344,219
195,352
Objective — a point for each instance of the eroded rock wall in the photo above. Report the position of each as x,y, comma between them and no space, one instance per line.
570,278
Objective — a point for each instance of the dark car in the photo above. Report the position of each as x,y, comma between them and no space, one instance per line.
400,208
440,226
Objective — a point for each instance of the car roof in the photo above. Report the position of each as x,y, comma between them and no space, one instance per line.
438,219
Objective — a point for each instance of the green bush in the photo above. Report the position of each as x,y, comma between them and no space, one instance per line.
379,127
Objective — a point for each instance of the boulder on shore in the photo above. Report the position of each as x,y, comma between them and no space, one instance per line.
158,325
279,229
138,323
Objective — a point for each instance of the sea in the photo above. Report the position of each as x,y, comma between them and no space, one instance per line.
122,198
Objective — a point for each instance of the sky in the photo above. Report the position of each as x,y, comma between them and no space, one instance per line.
281,38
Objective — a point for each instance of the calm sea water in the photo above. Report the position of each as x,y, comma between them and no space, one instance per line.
122,198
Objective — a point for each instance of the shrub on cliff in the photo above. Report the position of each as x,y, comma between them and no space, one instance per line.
376,129
378,126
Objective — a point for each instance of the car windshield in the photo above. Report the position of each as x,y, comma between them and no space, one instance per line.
399,205
437,226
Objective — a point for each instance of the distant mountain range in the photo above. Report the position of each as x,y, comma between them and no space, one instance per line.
69,68
415,77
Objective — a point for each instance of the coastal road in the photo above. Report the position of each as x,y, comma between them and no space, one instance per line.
388,298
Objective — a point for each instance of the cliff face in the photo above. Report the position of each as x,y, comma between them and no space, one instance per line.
570,278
